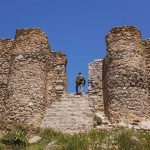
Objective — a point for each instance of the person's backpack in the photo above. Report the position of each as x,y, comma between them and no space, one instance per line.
80,79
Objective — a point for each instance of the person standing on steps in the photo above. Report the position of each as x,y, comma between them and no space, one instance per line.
80,82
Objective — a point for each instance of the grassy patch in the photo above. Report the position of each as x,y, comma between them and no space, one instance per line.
15,138
116,139
73,142
130,139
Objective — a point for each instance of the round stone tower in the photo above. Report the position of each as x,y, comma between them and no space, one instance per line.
5,58
28,76
126,91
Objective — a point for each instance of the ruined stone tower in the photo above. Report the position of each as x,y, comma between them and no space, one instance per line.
125,75
25,80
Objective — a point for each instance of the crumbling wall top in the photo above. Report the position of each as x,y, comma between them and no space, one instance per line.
123,32
26,32
5,45
146,42
32,39
123,29
125,35
60,58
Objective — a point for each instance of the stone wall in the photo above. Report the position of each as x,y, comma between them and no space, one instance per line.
5,58
146,43
60,69
33,77
30,65
57,78
95,84
28,76
127,92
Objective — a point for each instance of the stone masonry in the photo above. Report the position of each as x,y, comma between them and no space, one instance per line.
33,82
5,59
95,84
72,113
146,43
125,76
31,76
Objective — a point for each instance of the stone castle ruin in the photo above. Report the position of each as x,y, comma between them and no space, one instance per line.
30,75
123,78
33,82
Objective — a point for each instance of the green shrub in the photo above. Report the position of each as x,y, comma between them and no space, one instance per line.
15,138
98,120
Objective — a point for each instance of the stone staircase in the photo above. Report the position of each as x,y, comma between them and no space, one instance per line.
72,114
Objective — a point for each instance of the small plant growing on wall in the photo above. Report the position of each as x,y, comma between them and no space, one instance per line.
98,120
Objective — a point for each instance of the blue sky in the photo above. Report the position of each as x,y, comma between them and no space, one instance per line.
76,27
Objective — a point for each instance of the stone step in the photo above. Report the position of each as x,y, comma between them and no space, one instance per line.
72,113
